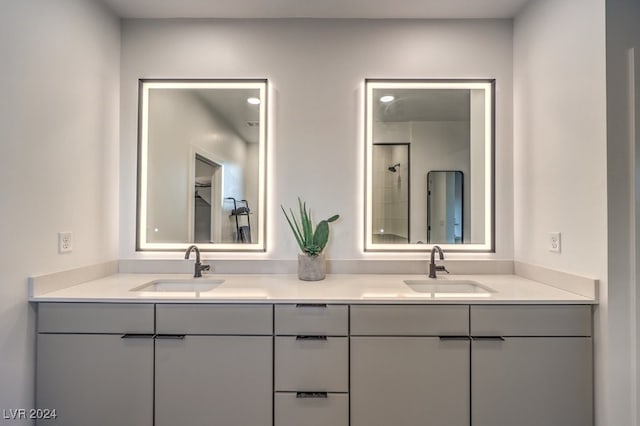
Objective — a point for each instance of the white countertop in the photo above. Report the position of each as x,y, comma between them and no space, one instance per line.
338,288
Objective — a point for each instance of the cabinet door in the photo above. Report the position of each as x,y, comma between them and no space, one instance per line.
95,318
409,381
311,365
532,381
230,319
311,319
214,380
98,380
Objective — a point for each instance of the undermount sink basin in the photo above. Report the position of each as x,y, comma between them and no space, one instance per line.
450,288
174,285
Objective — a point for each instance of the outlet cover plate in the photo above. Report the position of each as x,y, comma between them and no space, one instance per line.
554,242
65,242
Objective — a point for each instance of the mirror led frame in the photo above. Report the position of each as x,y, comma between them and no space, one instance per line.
488,86
145,85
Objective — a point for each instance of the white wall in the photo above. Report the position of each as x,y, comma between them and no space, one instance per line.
620,392
316,70
560,150
559,138
58,159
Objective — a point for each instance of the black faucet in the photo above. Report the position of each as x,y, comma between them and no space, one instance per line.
433,268
198,267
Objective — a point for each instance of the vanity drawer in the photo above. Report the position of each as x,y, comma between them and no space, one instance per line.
95,318
531,320
311,363
295,409
312,318
409,320
214,319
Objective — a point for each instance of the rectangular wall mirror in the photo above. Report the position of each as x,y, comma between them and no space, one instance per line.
429,165
202,164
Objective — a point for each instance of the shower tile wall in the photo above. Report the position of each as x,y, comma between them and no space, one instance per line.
390,193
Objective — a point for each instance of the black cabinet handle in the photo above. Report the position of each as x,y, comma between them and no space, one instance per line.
311,337
311,394
445,338
489,338
170,336
153,336
137,336
311,305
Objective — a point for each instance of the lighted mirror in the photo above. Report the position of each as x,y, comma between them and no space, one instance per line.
429,165
202,161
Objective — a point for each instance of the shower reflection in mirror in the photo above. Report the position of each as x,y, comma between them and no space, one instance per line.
429,164
391,193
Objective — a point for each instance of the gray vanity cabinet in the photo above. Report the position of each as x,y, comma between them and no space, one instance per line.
105,364
95,363
214,365
531,366
167,364
409,365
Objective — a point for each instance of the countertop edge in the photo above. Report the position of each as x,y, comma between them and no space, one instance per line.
336,289
222,301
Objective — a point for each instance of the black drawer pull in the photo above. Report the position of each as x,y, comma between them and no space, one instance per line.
311,394
311,337
489,338
137,336
445,338
170,336
311,305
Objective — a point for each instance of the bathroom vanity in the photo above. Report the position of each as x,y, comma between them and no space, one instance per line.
371,351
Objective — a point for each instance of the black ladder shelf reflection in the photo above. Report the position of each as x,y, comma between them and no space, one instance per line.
243,231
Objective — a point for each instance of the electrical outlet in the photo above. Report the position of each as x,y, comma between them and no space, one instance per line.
65,242
554,242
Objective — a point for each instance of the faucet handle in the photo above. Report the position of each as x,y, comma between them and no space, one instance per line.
441,268
205,268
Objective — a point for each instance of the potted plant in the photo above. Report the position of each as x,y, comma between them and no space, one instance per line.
311,262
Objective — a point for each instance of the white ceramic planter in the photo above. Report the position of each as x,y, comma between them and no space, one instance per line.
311,268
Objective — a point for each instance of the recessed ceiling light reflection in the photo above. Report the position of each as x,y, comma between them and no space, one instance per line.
254,101
387,98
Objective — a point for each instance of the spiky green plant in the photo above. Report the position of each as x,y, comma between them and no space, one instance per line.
311,241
